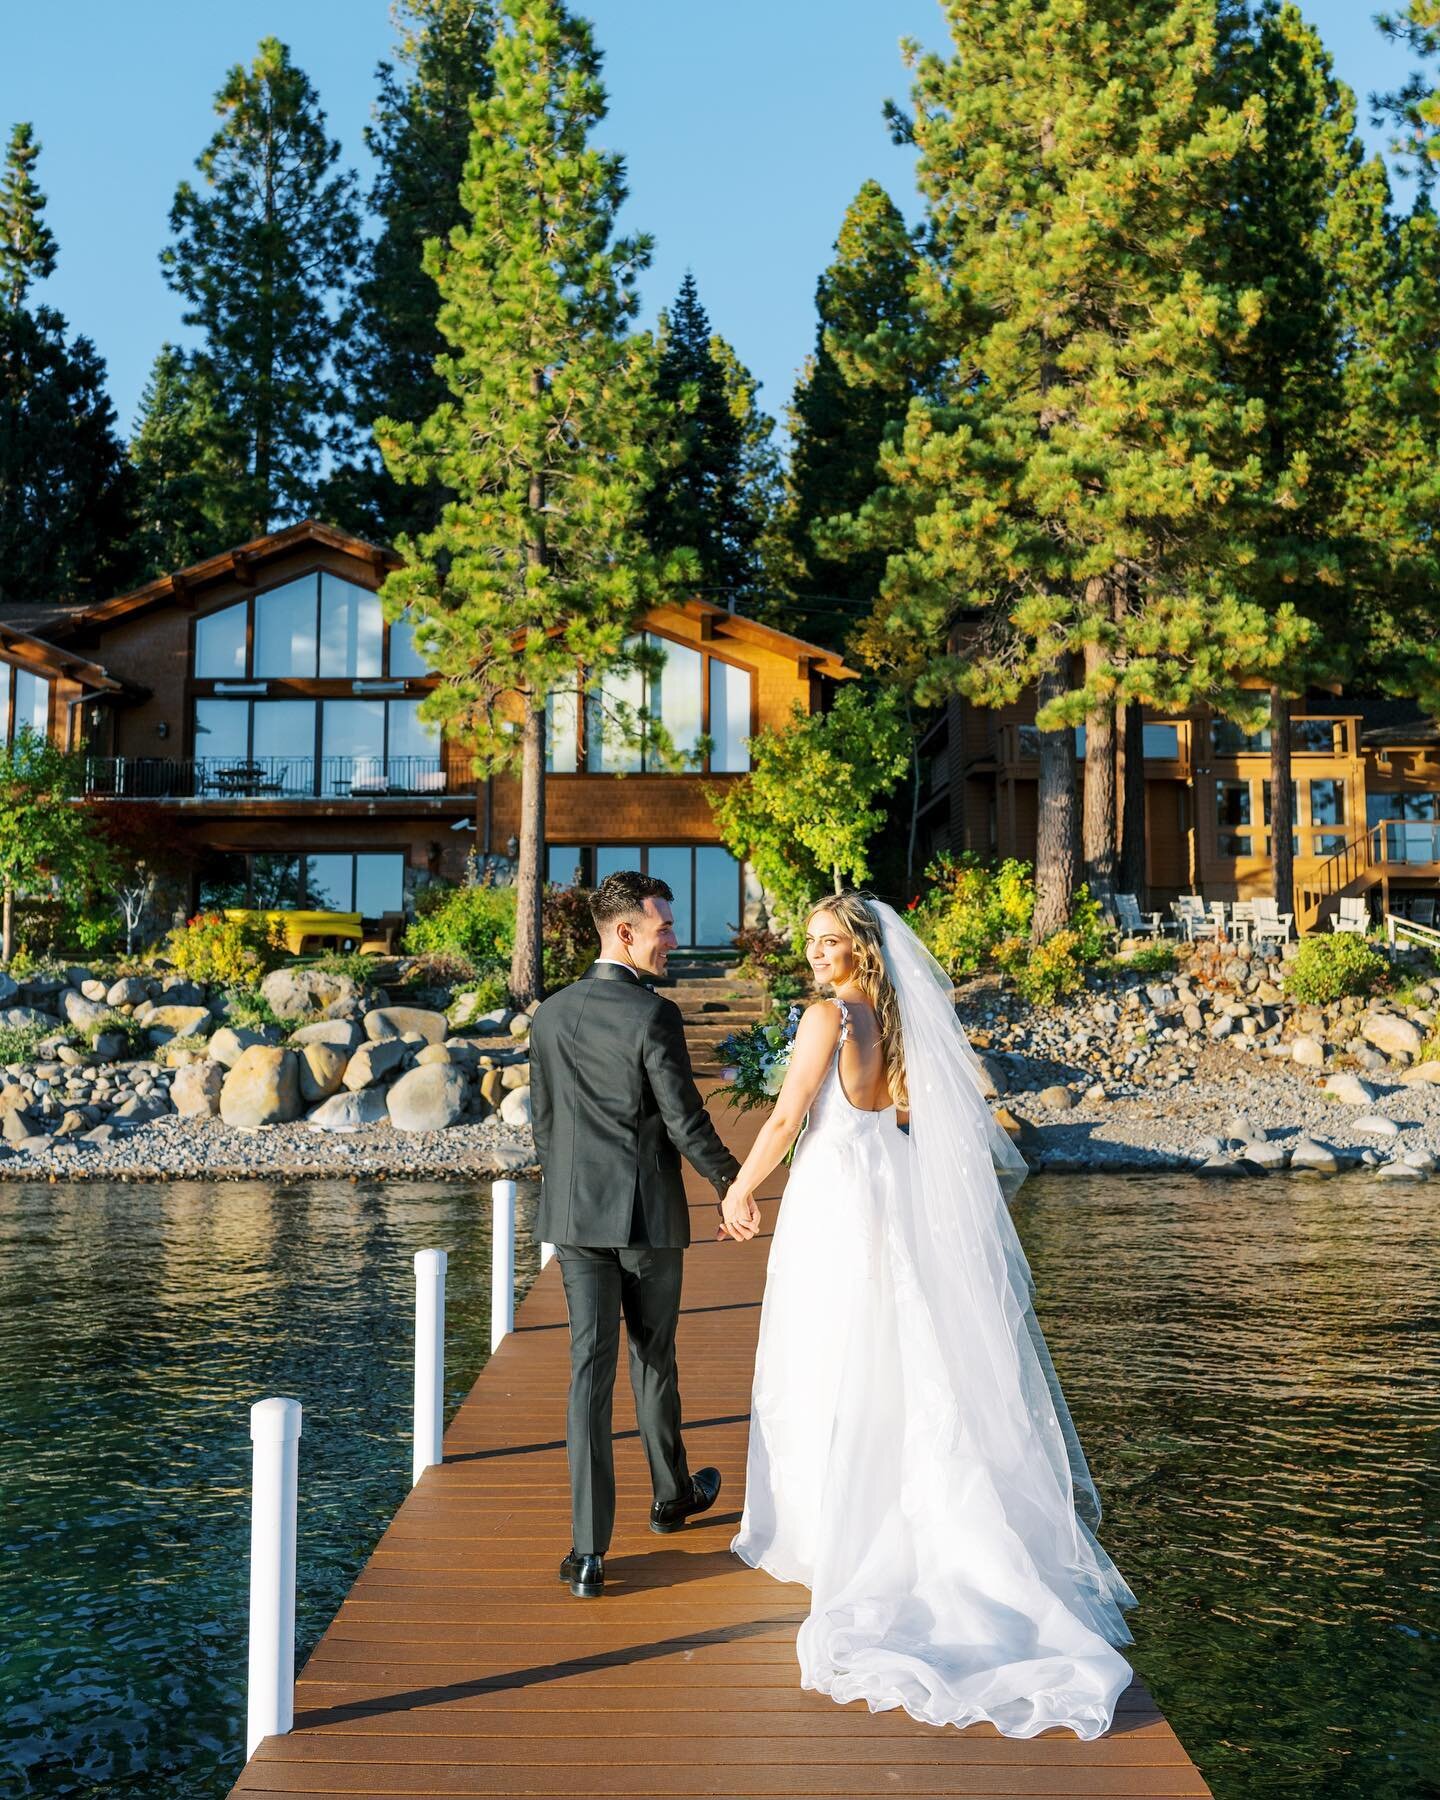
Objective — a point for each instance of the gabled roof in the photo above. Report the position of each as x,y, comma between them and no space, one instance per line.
243,563
718,621
27,651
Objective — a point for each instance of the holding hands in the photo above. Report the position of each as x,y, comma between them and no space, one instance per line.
739,1215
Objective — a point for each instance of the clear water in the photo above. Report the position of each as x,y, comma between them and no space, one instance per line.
1253,1367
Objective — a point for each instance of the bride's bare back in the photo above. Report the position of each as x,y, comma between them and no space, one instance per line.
863,1079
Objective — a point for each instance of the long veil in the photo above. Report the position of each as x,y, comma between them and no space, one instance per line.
978,1293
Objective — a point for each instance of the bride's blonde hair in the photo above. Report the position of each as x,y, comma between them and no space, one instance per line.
858,922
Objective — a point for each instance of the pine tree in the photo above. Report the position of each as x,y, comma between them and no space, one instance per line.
1084,443
27,249
65,492
258,253
854,389
538,565
699,516
189,467
420,139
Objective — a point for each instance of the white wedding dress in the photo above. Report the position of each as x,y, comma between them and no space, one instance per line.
911,1457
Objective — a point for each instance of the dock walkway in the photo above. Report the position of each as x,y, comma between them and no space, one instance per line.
459,1665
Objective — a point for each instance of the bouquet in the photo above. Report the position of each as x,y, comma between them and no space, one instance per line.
757,1060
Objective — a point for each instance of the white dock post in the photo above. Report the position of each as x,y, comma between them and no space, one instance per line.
502,1268
275,1433
430,1268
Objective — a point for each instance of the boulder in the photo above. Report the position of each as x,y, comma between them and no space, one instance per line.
292,993
1056,1099
1376,1125
1401,1171
1314,1158
1424,1074
179,990
516,1076
434,1056
77,1010
492,1087
460,1050
400,1021
994,1080
349,1111
1420,1159
1241,1128
263,1088
430,1098
1308,1051
1350,1090
26,1015
520,1026
195,1091
93,990
1221,1168
166,1022
515,1107
9,988
15,1127
109,1045
371,1061
322,1069
231,1042
1392,1035
344,1034
1192,1018
466,1014
128,991
1265,1155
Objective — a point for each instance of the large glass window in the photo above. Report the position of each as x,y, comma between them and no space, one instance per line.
672,865
330,883
220,644
379,884
676,696
275,880
32,701
729,718
413,743
1161,742
607,748
4,703
1232,810
350,629
1327,802
717,895
561,719
1411,831
354,745
405,659
285,630
1230,740
1313,736
282,742
222,730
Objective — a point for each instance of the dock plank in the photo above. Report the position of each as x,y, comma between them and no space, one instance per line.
459,1666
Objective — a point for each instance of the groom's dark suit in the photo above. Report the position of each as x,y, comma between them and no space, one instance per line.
615,1106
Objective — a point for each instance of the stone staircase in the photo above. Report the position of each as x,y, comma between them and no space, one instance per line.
713,1002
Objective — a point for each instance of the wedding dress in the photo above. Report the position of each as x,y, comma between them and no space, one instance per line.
911,1458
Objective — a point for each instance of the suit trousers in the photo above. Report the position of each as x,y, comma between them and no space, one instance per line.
601,1285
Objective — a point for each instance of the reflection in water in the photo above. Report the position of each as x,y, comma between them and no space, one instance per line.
137,1324
1252,1367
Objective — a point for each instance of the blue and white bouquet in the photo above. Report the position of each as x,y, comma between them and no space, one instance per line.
756,1061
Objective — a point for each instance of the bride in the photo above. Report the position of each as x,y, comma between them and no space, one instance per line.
912,1459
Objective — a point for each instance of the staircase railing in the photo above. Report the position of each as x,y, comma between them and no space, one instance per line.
1356,861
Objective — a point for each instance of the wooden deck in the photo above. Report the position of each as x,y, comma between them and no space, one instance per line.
460,1666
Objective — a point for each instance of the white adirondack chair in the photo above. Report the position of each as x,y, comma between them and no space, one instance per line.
1270,922
1352,915
1195,920
1133,922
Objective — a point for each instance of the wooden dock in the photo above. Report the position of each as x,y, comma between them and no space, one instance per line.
460,1666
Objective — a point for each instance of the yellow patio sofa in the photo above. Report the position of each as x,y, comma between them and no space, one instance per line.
343,927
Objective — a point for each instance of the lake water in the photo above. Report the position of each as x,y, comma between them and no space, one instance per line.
1253,1368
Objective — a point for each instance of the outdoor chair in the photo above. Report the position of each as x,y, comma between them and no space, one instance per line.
1270,922
1353,916
1133,922
1194,920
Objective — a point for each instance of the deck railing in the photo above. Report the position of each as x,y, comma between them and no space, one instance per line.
273,777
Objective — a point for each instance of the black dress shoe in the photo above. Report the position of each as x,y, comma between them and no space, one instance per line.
704,1490
586,1575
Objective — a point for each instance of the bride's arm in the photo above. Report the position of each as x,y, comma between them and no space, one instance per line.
815,1041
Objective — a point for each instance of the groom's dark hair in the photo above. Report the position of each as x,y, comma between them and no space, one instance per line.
621,895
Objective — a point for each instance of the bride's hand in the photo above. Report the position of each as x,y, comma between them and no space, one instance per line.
740,1216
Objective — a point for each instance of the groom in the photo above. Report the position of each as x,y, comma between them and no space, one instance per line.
615,1107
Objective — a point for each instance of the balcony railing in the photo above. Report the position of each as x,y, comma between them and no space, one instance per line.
274,777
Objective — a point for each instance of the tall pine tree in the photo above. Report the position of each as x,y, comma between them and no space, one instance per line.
537,566
854,389
189,466
1086,442
704,515
420,139
65,490
261,251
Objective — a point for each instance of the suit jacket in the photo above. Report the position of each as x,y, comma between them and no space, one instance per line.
614,1107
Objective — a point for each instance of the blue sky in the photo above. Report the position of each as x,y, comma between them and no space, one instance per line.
747,126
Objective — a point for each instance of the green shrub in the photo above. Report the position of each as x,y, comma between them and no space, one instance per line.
236,953
971,909
1045,972
476,922
491,992
568,936
21,1043
136,1036
1330,966
359,968
767,957
247,1009
1150,959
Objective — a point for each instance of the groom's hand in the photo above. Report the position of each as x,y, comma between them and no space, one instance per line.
739,1217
